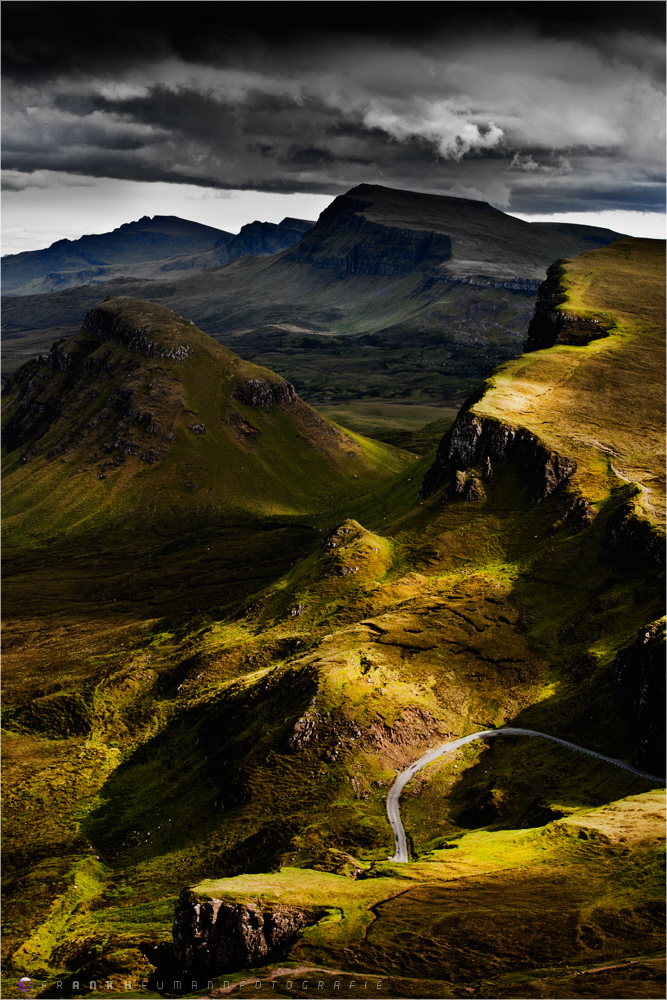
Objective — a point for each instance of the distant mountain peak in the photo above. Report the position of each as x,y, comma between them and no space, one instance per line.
379,192
147,247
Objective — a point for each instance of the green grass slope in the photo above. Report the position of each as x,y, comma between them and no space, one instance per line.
142,419
602,403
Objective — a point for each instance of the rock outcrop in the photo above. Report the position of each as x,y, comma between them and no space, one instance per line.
479,442
261,238
215,935
638,672
256,392
633,537
106,324
551,325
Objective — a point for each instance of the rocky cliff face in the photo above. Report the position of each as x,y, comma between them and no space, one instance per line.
346,242
639,675
551,325
633,538
261,238
476,443
215,935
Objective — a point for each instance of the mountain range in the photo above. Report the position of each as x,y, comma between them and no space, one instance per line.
230,622
393,297
149,248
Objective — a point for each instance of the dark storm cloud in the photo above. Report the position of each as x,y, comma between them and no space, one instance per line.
534,107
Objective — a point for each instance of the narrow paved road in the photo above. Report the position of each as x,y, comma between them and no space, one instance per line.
403,778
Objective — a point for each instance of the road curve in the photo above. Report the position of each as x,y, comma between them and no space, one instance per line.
431,755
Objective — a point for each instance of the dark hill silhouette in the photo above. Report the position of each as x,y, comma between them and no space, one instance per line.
149,249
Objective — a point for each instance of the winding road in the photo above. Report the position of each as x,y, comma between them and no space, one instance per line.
401,781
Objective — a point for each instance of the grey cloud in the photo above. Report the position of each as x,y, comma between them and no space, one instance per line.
515,109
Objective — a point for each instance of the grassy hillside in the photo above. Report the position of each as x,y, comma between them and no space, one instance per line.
601,403
141,417
227,711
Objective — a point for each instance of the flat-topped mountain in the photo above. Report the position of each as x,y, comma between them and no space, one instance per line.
141,416
149,249
378,230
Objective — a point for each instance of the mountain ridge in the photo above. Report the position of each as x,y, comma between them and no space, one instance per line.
140,388
150,248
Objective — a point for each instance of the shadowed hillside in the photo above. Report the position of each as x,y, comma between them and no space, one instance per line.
141,415
150,248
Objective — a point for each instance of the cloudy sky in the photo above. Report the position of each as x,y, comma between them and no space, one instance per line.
227,112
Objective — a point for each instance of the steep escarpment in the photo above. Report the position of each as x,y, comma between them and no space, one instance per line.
638,672
346,242
477,443
553,324
632,536
577,409
391,295
378,230
259,238
218,936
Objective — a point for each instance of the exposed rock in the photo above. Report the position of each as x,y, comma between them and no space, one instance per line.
581,513
303,732
255,392
198,429
370,247
343,533
638,672
259,238
633,537
57,358
246,431
474,441
105,324
219,936
416,725
551,325
464,487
